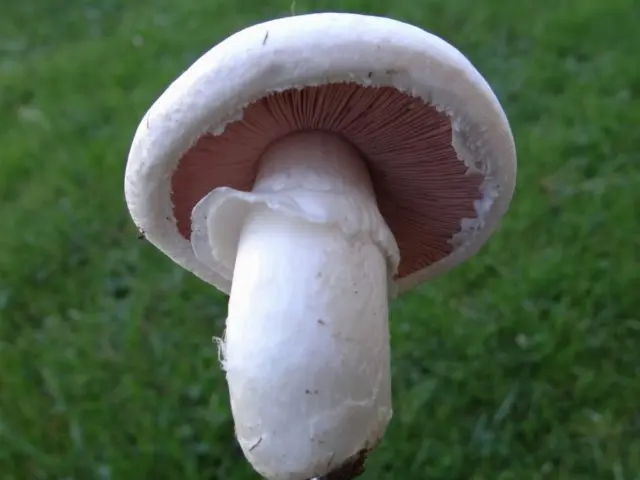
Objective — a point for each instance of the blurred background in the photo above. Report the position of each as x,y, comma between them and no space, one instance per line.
524,363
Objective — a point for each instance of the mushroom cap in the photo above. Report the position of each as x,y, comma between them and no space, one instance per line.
431,131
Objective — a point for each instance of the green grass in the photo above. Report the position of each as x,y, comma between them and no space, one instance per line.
522,364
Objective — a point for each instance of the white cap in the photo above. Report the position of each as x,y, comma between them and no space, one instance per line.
435,139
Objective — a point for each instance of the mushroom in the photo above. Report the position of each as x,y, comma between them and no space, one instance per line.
312,167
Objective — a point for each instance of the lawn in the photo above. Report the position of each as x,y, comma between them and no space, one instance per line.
524,363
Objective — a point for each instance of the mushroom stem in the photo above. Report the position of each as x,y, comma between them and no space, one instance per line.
306,349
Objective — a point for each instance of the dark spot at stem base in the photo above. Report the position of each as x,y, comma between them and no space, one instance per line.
352,468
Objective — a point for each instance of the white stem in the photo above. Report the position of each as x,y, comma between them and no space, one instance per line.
307,342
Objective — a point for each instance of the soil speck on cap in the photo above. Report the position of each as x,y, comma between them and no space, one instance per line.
255,445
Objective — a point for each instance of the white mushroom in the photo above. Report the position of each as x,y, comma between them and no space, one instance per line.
310,167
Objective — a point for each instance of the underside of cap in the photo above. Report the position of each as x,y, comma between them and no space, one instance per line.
436,141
